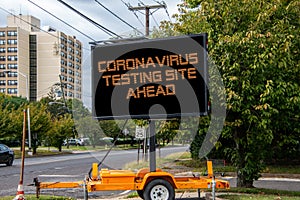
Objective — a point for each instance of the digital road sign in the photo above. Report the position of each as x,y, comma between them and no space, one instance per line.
154,78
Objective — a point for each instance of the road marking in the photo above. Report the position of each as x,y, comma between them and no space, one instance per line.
59,176
125,192
278,179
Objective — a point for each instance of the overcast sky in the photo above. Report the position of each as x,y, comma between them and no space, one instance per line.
97,13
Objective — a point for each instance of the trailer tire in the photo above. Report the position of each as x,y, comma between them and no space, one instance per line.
159,189
140,193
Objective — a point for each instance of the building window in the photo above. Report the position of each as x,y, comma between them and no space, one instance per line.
2,42
70,79
70,64
62,77
70,50
2,33
62,38
77,45
33,68
12,74
69,86
2,58
78,89
12,41
12,91
12,58
70,94
2,82
12,66
2,50
70,42
12,82
2,66
33,53
12,49
70,72
2,90
12,33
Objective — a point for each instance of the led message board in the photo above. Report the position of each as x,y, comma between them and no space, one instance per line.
170,75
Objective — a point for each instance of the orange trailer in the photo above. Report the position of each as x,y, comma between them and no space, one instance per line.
149,185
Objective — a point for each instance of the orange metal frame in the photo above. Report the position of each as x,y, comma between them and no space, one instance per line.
127,180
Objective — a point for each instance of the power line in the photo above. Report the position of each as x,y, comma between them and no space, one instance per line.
61,20
34,25
27,22
147,9
128,5
154,19
165,6
118,17
107,31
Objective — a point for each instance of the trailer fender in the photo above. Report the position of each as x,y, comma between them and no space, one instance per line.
156,175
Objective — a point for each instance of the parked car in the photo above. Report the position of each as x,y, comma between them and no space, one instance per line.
6,155
85,141
75,142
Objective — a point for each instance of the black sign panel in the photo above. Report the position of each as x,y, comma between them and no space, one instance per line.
156,78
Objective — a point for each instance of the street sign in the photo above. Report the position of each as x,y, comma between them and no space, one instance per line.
140,133
155,78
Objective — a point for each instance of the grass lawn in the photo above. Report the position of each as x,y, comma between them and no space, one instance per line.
47,151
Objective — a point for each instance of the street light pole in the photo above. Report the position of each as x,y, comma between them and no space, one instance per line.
28,112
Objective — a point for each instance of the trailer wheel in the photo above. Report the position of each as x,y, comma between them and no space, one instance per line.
140,193
159,189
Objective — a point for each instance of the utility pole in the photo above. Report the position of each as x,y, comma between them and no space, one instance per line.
147,9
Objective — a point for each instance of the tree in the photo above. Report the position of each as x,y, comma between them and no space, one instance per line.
256,46
110,128
167,130
77,108
4,119
40,123
90,128
63,128
12,118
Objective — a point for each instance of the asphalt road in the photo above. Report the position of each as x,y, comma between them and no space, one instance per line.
75,167
72,167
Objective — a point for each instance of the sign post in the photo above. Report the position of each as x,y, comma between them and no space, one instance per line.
140,134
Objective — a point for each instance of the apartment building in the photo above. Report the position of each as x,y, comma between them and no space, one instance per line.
35,64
